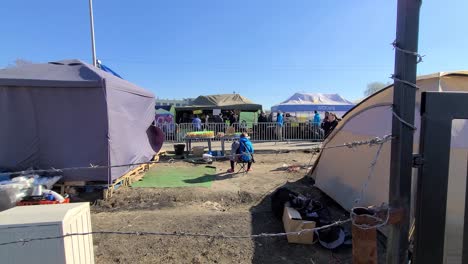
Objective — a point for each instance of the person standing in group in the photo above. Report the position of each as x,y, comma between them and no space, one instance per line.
219,118
197,123
325,119
316,118
232,118
262,118
279,126
330,124
326,116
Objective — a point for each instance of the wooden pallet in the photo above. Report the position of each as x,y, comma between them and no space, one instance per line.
124,181
131,176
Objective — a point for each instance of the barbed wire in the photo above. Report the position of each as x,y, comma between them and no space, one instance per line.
393,77
371,172
371,142
380,141
91,166
353,144
178,234
413,127
419,57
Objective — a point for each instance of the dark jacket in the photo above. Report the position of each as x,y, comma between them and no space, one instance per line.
329,126
232,119
262,119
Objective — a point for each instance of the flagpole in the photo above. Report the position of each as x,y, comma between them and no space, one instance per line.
93,45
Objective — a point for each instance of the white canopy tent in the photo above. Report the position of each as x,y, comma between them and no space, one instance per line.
306,103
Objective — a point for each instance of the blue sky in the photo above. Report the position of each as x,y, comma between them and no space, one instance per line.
263,49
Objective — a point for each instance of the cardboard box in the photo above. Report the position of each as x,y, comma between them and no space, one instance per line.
293,222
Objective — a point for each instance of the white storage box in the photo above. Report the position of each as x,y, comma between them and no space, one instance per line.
36,221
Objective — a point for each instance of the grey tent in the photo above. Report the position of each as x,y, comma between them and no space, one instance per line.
71,114
222,101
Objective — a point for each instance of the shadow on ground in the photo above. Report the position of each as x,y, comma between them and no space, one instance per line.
213,177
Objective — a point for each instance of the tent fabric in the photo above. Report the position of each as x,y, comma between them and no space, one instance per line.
341,173
307,102
86,116
222,101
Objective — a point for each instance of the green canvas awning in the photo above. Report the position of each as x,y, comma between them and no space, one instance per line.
223,102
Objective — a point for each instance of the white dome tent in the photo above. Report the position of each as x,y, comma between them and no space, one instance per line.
341,173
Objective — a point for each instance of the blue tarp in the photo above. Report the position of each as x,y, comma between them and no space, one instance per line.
107,69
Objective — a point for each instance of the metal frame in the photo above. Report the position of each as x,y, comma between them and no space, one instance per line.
258,132
438,110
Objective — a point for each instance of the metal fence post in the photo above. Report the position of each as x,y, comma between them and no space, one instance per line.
404,97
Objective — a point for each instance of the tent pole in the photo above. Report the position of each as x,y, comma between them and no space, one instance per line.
93,45
404,97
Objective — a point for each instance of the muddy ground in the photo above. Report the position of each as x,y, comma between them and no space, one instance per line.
236,204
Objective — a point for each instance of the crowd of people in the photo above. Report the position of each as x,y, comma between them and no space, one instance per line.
325,126
329,122
230,117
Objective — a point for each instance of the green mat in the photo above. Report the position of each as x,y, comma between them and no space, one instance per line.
163,177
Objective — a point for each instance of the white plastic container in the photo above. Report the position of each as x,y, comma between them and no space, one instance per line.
36,221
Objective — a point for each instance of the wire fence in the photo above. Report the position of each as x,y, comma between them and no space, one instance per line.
258,132
376,141
178,234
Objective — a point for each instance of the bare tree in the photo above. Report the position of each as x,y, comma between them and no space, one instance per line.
19,62
374,87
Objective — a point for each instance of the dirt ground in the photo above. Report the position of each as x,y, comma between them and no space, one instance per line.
236,204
